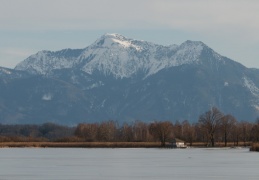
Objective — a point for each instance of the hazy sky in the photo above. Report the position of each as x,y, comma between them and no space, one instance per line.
230,27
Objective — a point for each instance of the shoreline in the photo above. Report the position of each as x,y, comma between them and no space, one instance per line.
80,144
254,147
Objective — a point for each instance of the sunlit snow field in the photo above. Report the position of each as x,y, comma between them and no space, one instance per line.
125,164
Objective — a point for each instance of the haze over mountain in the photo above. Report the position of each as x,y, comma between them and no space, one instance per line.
125,79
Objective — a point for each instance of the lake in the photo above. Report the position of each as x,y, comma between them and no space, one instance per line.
127,164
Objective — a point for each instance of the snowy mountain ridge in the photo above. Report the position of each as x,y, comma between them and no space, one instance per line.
125,79
116,55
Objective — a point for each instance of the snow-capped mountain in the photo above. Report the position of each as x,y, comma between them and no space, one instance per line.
125,79
116,55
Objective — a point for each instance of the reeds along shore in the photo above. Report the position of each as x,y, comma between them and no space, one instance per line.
41,144
80,144
255,147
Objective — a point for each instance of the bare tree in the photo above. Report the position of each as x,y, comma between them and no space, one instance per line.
226,124
140,131
236,133
87,131
188,132
210,122
246,129
161,131
178,130
255,131
126,133
107,131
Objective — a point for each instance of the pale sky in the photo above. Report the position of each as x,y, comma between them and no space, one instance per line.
230,27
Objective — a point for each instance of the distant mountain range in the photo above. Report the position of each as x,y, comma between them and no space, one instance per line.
125,80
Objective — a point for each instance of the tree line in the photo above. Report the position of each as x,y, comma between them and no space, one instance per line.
212,127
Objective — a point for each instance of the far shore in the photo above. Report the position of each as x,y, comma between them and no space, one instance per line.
81,144
254,147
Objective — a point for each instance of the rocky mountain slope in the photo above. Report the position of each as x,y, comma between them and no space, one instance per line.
124,79
115,55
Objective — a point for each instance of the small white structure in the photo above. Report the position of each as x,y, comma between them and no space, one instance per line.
178,143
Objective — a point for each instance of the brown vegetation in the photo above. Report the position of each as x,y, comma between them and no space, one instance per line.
161,131
209,123
255,147
82,144
212,129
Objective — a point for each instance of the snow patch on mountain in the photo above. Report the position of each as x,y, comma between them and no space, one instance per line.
226,84
256,107
5,71
127,44
249,84
47,97
95,85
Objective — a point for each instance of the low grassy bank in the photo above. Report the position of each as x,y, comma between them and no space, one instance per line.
255,147
220,144
42,144
81,144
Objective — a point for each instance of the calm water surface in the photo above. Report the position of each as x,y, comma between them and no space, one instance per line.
125,164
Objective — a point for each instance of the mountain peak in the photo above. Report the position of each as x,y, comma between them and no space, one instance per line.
114,36
114,39
194,42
